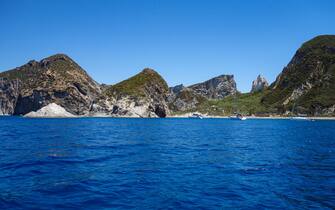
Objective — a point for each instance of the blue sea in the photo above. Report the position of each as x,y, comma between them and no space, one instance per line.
105,163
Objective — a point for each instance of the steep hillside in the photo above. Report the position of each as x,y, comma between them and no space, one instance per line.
143,95
142,84
183,99
216,88
308,81
56,79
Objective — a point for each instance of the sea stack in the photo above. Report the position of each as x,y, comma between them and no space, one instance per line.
259,84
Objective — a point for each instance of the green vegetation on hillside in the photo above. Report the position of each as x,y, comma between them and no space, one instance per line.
135,86
23,73
245,103
319,42
312,65
33,70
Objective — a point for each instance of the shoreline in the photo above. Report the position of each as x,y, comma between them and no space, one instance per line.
176,117
257,117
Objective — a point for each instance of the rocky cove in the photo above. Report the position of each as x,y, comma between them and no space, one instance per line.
58,87
41,89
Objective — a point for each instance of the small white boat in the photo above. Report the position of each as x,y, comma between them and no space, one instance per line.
299,118
243,118
238,117
196,115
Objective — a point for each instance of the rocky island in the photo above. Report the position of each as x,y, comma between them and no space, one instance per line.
58,86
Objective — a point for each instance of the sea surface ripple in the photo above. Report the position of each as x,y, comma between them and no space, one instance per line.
105,163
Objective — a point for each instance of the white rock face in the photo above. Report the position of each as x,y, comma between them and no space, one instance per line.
51,110
329,111
124,107
259,84
129,108
304,88
217,87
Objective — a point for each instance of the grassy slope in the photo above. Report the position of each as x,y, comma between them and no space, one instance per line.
135,86
246,103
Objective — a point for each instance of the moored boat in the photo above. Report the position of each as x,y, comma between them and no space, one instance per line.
196,115
300,118
237,117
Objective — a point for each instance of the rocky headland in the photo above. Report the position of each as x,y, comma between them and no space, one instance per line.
58,86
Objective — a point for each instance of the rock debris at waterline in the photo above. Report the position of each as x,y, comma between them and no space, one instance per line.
51,110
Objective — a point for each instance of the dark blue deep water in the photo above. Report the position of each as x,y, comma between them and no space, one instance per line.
100,163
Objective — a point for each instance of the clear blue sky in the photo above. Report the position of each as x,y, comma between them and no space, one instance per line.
186,41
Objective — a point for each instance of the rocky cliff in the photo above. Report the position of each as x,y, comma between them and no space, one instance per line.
259,84
308,81
143,95
56,79
306,85
183,98
216,88
9,93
